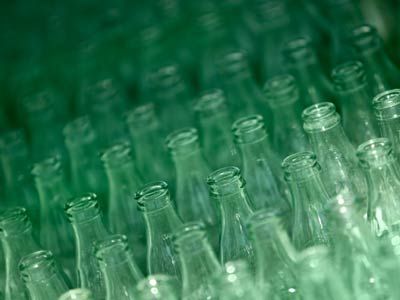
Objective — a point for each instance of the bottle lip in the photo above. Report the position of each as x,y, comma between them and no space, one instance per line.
77,294
375,152
82,209
226,180
38,102
102,93
365,38
210,102
320,117
189,235
78,131
298,162
141,116
37,266
182,141
117,155
153,196
280,90
387,105
113,250
299,51
249,129
165,81
11,140
234,65
47,168
14,221
269,218
348,76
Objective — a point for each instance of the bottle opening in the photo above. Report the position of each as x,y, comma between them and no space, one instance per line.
14,221
117,155
183,141
266,218
82,209
47,168
299,51
375,152
142,116
101,94
153,196
211,102
281,89
320,117
78,131
387,105
249,129
189,236
298,166
37,266
113,250
38,103
234,65
77,294
349,75
165,81
365,38
227,180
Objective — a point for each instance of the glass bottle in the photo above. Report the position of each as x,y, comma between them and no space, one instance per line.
302,173
381,70
213,121
302,62
191,171
282,95
123,181
386,108
227,187
161,220
146,133
157,287
118,267
383,180
198,262
42,276
260,164
17,241
85,217
87,174
54,192
354,95
319,279
336,155
275,255
77,294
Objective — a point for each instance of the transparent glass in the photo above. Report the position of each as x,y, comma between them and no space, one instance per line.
77,294
158,287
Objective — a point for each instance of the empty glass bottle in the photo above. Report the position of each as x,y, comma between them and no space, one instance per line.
302,62
118,267
77,294
260,164
336,155
214,124
282,95
17,240
53,190
381,70
383,179
85,217
161,220
158,287
386,108
123,181
227,187
354,95
302,173
275,255
42,276
198,262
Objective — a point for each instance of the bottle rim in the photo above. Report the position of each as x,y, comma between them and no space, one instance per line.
153,196
182,140
83,208
249,129
189,235
226,180
117,155
280,90
47,168
374,152
386,105
266,218
14,221
78,131
30,266
296,163
234,65
113,250
320,117
141,116
210,101
365,38
299,51
349,75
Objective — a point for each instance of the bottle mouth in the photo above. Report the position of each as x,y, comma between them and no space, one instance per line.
117,155
249,129
82,209
47,168
348,76
365,38
77,294
266,218
183,141
225,181
37,266
101,94
78,131
387,105
296,166
281,89
113,250
234,65
165,81
38,102
210,103
14,221
153,196
14,143
142,116
299,51
375,152
189,236
320,117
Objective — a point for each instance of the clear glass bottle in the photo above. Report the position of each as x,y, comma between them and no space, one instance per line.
354,95
302,173
85,216
118,267
227,187
161,220
158,287
260,165
77,294
42,276
340,170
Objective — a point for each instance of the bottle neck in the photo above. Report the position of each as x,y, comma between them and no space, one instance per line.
52,288
124,175
52,190
88,232
162,221
322,140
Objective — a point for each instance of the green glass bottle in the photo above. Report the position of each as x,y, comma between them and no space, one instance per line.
54,192
191,171
123,181
86,172
381,70
336,155
354,95
282,95
213,121
146,133
383,179
236,282
17,241
118,267
198,262
318,278
275,255
157,287
42,276
85,217
227,187
260,164
161,220
302,62
386,106
77,294
302,173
